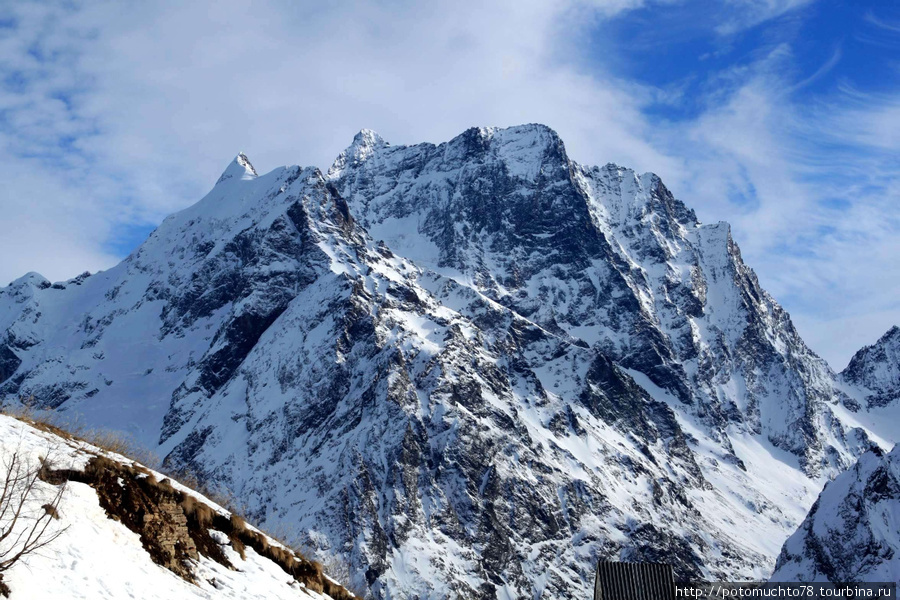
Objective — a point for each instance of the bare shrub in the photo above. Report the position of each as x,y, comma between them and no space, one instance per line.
237,522
24,522
118,443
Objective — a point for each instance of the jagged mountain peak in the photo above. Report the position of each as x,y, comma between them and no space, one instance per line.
240,168
524,150
892,336
505,209
631,195
364,144
875,369
532,132
367,138
31,278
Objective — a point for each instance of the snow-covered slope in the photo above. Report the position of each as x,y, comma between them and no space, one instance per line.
852,532
874,371
96,556
469,369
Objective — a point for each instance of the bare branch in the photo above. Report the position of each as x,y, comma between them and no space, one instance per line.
25,515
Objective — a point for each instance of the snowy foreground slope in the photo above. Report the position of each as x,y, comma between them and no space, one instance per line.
852,532
97,557
466,370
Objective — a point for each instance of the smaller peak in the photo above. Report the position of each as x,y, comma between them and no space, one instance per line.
30,279
877,368
242,160
515,131
364,144
615,169
528,146
367,138
720,230
528,128
240,169
534,127
891,336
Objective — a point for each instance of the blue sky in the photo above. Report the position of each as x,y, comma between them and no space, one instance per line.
779,116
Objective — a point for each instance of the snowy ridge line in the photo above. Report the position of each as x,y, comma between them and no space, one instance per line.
177,530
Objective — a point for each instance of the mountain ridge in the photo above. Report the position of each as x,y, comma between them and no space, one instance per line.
851,532
875,370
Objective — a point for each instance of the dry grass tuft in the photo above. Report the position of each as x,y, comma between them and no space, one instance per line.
51,510
238,522
197,511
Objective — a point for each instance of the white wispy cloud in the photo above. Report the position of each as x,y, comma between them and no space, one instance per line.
749,13
881,23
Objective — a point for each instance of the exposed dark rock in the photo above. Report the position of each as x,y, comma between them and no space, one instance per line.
9,362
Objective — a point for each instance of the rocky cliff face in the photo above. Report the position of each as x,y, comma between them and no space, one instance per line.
875,370
607,257
852,532
469,370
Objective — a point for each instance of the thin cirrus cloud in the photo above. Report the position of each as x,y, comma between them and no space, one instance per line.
748,13
113,115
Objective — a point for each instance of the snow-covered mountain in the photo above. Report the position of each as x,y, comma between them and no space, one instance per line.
145,542
875,371
852,532
468,369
